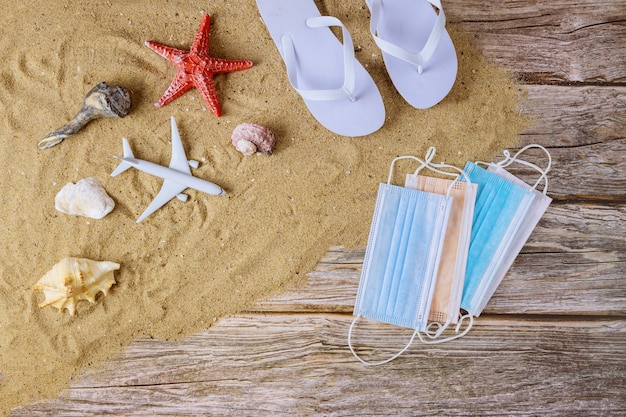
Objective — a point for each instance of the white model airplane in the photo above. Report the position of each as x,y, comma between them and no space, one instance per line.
176,178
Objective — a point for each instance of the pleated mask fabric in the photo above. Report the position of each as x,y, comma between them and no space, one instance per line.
401,259
402,256
500,209
446,300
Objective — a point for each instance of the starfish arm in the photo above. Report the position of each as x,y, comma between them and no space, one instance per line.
167,52
220,65
196,68
180,84
204,84
200,43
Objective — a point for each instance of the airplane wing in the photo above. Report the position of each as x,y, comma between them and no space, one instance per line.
179,159
168,191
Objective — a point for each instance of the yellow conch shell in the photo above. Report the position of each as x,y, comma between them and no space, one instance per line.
74,279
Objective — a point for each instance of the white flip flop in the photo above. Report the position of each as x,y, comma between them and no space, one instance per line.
335,87
417,50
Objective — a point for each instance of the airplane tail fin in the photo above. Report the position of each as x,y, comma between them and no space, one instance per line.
128,153
174,129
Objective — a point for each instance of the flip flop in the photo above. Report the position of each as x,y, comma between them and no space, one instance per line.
418,52
335,87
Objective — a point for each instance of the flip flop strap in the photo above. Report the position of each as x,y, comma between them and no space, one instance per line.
349,72
422,57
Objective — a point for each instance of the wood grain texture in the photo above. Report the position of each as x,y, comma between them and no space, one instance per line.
571,116
549,42
300,365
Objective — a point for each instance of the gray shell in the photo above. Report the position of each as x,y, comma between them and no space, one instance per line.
101,101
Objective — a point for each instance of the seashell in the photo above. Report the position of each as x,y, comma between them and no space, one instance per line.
101,101
75,279
85,198
249,138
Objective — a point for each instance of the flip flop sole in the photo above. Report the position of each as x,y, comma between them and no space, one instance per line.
319,58
408,24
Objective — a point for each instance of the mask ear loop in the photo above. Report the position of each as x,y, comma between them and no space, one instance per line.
461,173
366,363
430,154
434,341
508,160
399,158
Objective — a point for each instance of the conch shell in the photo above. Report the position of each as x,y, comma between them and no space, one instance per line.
101,101
75,279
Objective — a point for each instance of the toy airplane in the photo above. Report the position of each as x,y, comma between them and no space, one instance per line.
177,177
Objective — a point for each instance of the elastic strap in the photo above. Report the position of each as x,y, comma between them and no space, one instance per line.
366,363
427,163
397,159
508,160
441,328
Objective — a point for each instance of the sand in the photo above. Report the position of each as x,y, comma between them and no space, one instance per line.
191,263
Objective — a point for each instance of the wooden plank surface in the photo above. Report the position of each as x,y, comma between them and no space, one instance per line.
300,365
573,116
550,42
552,339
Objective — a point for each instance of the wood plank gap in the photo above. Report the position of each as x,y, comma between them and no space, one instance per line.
594,262
536,78
568,146
607,201
516,317
584,27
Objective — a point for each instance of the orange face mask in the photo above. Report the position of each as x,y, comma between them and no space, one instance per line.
446,300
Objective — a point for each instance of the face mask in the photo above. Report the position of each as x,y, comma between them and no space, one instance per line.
446,300
402,258
535,212
503,219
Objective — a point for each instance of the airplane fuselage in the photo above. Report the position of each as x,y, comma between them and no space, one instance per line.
175,176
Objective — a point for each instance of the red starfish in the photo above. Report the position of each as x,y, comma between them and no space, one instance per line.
196,68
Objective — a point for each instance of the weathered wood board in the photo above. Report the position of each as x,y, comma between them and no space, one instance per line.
270,365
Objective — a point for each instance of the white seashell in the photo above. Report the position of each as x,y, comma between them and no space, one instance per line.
75,279
245,147
85,198
249,137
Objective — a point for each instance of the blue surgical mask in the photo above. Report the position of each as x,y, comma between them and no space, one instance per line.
402,258
500,210
538,207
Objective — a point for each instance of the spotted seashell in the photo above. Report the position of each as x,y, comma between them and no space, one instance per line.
85,198
75,279
249,138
